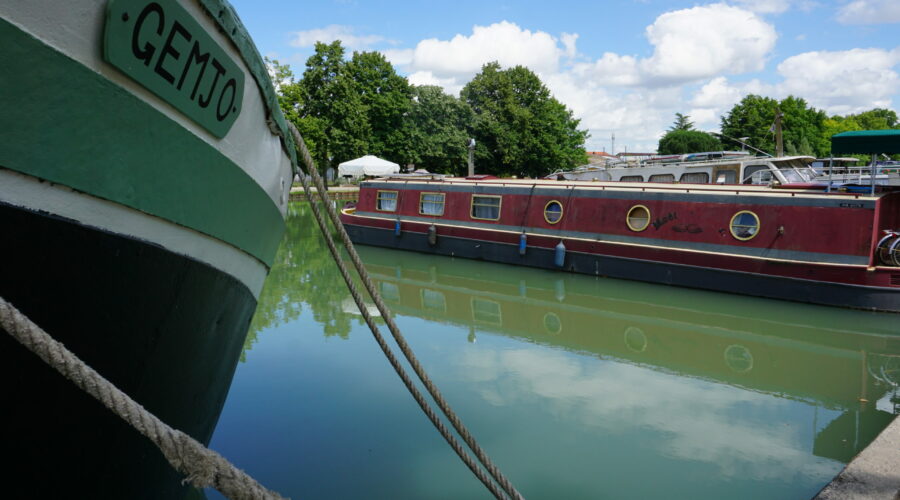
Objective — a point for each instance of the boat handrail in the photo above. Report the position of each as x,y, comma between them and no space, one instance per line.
642,186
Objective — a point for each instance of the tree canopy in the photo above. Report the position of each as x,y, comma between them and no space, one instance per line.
437,127
682,122
681,141
518,126
754,118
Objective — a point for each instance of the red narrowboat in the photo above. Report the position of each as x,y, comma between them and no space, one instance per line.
840,249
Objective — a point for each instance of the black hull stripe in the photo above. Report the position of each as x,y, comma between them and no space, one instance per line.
166,329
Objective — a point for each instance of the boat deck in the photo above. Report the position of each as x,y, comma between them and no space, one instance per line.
737,189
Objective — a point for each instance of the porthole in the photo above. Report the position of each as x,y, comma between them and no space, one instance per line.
744,225
553,212
638,218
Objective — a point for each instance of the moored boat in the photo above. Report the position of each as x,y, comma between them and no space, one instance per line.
720,167
144,173
830,248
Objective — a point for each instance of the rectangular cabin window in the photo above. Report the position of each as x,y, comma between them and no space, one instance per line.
431,203
386,201
695,178
752,169
632,178
726,177
662,178
486,207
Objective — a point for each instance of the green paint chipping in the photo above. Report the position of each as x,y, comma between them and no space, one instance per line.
163,48
67,124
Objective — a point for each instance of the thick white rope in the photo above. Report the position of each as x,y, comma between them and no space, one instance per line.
201,466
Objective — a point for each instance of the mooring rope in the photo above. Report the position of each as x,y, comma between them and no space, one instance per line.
201,466
495,473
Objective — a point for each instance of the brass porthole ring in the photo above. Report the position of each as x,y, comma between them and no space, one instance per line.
743,228
638,218
554,216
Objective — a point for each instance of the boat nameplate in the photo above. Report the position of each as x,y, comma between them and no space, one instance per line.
161,46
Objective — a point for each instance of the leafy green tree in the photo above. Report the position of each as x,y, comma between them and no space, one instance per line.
682,122
876,119
754,116
802,126
520,129
680,141
387,98
290,99
437,126
335,109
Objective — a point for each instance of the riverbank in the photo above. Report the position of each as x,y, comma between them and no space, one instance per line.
873,474
334,192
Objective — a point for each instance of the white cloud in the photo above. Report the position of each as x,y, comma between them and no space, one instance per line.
334,32
568,41
717,96
450,85
702,42
611,69
842,81
503,42
870,12
398,57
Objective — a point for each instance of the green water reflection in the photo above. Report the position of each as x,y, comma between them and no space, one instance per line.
578,387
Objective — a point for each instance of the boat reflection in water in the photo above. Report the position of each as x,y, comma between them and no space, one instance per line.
839,360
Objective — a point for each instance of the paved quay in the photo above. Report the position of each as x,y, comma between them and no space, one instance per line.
334,192
873,474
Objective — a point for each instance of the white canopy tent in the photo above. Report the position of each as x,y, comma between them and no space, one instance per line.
367,165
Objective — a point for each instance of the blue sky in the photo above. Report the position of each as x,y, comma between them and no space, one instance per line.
623,67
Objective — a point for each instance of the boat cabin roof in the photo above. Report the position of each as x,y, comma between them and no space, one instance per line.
437,184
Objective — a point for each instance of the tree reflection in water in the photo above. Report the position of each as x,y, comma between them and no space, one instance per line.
303,273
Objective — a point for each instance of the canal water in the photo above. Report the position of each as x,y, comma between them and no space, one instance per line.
578,387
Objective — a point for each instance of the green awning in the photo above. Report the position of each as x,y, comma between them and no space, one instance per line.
866,142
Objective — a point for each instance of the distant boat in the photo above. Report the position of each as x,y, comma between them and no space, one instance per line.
144,174
718,167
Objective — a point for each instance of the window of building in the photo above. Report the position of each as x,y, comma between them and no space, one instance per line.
553,211
638,218
386,201
431,204
695,178
744,225
485,207
662,178
632,178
